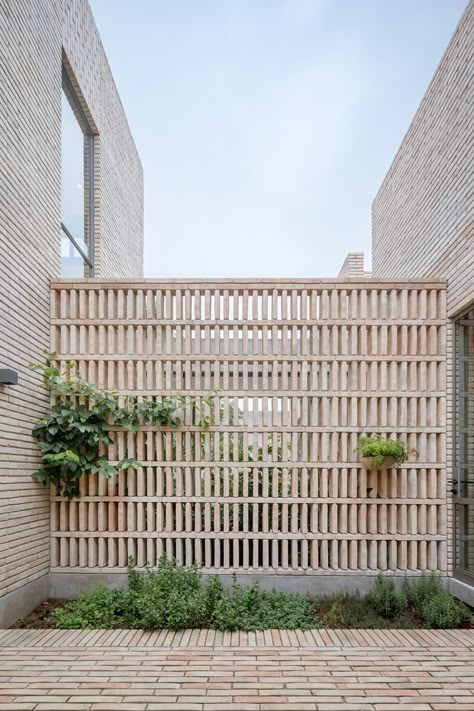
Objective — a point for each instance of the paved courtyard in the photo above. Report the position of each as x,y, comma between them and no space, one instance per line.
202,670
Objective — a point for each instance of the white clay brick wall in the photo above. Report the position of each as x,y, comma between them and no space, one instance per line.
423,215
32,33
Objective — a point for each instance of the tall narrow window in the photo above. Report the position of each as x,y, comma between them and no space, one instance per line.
463,485
77,247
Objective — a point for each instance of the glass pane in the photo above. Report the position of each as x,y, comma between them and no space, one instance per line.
465,538
73,175
72,263
464,407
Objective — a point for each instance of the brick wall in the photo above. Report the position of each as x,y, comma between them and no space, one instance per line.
423,214
31,40
354,266
118,172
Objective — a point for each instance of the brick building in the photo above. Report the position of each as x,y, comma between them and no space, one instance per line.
71,194
423,226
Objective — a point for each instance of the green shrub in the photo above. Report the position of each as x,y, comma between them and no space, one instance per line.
425,587
382,447
335,616
387,601
171,597
174,597
442,611
360,613
249,608
100,608
436,606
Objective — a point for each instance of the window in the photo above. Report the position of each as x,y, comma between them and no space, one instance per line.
77,217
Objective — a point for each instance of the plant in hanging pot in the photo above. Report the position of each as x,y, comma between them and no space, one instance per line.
379,452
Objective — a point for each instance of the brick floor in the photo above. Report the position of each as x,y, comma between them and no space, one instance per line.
204,670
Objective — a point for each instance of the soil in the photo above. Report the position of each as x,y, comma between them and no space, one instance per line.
41,617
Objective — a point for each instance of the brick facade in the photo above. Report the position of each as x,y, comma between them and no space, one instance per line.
423,214
33,35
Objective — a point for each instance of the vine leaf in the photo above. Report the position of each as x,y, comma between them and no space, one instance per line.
73,439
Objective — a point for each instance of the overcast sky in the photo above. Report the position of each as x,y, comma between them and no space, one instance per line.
265,127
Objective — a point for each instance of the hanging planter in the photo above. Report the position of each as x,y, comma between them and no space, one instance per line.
378,462
377,452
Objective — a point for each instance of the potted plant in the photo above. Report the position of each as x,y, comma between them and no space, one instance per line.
379,452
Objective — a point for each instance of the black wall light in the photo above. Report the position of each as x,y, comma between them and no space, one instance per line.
8,377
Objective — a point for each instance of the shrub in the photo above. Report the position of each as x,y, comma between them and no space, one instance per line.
171,597
437,607
381,447
335,617
174,597
100,608
387,601
425,587
442,611
360,613
249,608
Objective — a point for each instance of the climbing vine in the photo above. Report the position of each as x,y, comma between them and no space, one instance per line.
74,436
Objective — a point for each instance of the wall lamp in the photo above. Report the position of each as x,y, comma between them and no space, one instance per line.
8,377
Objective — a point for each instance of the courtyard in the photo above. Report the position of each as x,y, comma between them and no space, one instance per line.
251,491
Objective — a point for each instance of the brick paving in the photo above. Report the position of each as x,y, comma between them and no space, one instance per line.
204,670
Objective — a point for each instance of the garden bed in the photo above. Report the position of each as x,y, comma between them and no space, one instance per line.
174,597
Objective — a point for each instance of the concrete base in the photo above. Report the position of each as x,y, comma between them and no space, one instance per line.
461,590
68,585
22,601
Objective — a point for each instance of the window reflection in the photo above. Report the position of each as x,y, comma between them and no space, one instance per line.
72,261
76,184
72,174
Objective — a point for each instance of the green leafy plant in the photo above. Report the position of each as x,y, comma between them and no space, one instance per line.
382,448
170,597
101,608
355,611
175,597
74,437
335,617
423,588
250,608
386,600
437,607
442,611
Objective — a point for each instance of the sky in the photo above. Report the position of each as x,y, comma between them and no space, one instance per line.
265,127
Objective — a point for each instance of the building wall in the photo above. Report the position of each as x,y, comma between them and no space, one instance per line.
423,214
118,171
31,40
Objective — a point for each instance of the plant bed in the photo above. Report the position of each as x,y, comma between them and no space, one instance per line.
174,597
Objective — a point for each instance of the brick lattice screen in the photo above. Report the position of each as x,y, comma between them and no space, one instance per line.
301,369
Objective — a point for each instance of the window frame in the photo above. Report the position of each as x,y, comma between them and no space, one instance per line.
89,148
